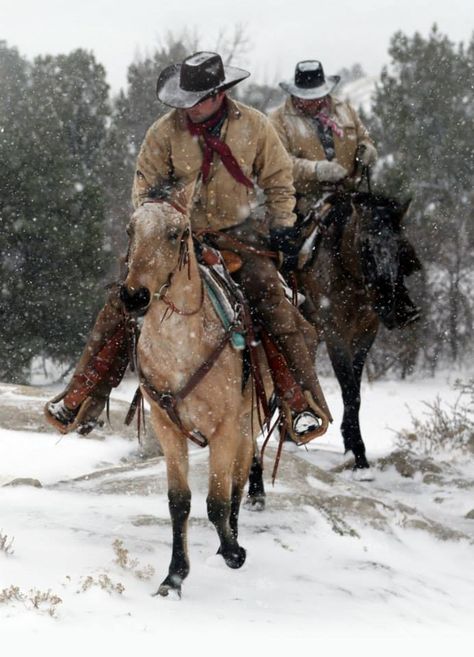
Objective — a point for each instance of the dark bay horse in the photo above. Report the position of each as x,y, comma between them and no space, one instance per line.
352,281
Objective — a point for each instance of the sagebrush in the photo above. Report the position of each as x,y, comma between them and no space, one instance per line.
444,427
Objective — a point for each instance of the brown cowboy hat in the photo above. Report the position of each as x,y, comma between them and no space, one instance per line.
310,82
184,85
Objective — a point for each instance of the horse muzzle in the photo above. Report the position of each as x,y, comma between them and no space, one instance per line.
136,302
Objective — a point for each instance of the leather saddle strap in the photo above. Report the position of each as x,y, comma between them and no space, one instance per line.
168,401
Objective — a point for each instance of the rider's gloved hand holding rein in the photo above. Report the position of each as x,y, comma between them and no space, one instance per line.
329,171
367,154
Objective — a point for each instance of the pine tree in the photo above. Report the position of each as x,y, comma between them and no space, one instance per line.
55,209
422,121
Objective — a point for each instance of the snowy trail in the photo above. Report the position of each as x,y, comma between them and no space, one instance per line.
327,554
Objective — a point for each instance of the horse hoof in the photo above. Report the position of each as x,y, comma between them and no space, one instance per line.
255,502
235,558
170,588
363,474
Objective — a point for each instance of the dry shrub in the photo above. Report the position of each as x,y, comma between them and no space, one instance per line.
34,599
6,544
103,581
445,427
123,559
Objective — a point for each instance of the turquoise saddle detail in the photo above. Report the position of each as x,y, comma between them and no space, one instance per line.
225,314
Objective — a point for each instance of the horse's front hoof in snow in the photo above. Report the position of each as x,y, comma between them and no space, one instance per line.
363,474
255,502
170,588
234,558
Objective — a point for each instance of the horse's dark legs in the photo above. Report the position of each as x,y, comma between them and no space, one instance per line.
361,353
349,381
175,449
256,492
219,512
228,472
179,506
235,501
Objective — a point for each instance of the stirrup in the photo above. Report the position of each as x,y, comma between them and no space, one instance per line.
308,424
66,420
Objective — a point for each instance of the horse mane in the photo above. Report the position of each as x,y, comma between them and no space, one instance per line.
382,210
336,218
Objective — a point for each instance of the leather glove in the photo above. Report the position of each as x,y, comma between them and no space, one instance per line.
327,171
368,154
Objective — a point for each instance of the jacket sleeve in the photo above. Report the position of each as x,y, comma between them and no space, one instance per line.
303,168
273,170
153,163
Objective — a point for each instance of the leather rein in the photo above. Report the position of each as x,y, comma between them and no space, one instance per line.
162,294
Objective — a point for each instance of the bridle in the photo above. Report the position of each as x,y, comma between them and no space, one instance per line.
162,294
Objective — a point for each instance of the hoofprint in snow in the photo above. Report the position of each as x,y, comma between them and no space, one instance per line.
329,558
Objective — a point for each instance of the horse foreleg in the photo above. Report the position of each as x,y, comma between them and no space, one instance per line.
361,351
224,497
341,360
179,500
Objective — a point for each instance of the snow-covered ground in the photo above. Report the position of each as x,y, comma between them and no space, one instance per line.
332,564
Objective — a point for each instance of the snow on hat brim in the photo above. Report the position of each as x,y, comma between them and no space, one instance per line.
170,93
312,93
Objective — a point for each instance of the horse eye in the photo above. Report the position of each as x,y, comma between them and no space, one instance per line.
173,235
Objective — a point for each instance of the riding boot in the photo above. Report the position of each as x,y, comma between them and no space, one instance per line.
258,277
299,359
100,368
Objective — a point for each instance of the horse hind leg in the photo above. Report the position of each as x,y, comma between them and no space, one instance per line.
255,500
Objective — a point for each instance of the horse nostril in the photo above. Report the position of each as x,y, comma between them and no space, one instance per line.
136,300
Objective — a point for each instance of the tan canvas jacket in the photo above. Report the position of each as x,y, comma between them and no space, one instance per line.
170,150
300,138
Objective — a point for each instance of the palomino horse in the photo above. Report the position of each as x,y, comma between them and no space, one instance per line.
181,331
351,283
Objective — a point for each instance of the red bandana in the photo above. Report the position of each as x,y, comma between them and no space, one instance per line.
214,144
323,116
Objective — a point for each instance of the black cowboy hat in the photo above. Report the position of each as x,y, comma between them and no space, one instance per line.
184,85
310,82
